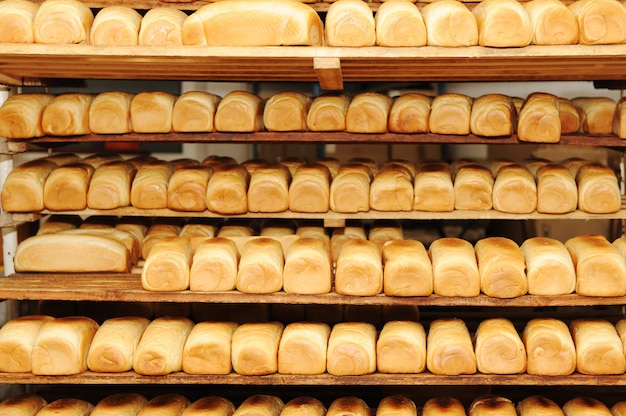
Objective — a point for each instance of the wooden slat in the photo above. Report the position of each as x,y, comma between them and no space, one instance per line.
127,288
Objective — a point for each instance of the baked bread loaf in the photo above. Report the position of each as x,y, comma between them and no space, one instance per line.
598,189
409,112
227,190
351,349
514,190
549,267
443,405
194,111
382,231
599,349
27,404
349,23
302,348
239,111
493,115
17,338
120,404
350,189
63,22
254,348
569,115
600,22
502,267
359,270
392,189
151,112
499,348
286,111
260,404
113,347
454,278
198,230
158,230
308,267
433,188
585,405
502,24
539,119
187,187
557,191
69,406
401,348
552,23
268,190
109,113
491,405
407,270
210,405
303,405
167,266
149,187
115,26
16,21
341,235
450,113
399,23
473,188
160,348
66,187
309,189
23,187
396,404
21,115
165,404
450,350
618,408
349,405
162,26
619,119
67,115
214,266
328,112
254,23
110,185
207,348
450,23
261,266
597,114
62,345
368,112
535,404
549,347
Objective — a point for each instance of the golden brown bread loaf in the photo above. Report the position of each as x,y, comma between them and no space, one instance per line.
600,22
167,266
166,404
207,348
302,348
23,188
450,23
67,115
619,408
552,23
399,23
149,187
433,188
491,405
309,190
368,112
113,347
493,115
261,266
328,112
210,405
119,404
162,26
407,270
227,190
21,115
67,406
450,350
62,345
396,404
160,348
351,349
502,267
584,405
66,187
115,25
132,244
454,278
151,112
350,189
392,189
409,112
502,23
539,119
109,113
239,111
549,267
514,190
473,188
260,404
16,21
254,348
214,266
549,347
499,348
27,404
110,185
254,23
401,348
450,113
304,406
598,189
17,338
598,347
63,22
194,111
268,190
349,405
597,113
619,119
359,270
186,188
349,23
442,405
569,115
286,111
536,404
557,192
308,267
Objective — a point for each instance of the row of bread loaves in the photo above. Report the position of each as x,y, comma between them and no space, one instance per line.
540,117
546,346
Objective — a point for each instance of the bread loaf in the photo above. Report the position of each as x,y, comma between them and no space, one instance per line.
450,23
450,113
162,26
392,189
214,266
149,187
450,350
502,23
597,113
167,266
239,111
499,348
210,405
351,349
109,113
199,230
401,348
27,404
23,189
66,187
491,405
115,26
598,347
501,266
160,348
618,408
584,405
254,23
260,404
407,270
349,405
308,267
187,187
349,23
304,406
114,344
120,404
62,345
409,112
110,185
261,266
268,190
21,115
368,112
16,21
309,189
286,111
396,404
254,348
194,111
151,112
17,338
302,348
63,22
433,188
549,267
539,119
207,348
570,118
382,231
341,235
166,404
67,115
67,406
443,405
459,277
227,190
552,23
514,190
493,115
557,191
600,22
158,230
328,112
399,23
359,270
535,404
473,188
350,189
549,347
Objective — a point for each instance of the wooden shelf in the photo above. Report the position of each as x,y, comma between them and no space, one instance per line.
28,64
127,288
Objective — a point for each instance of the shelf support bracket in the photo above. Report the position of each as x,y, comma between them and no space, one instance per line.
328,71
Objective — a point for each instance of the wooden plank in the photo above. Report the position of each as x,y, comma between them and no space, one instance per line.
328,72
